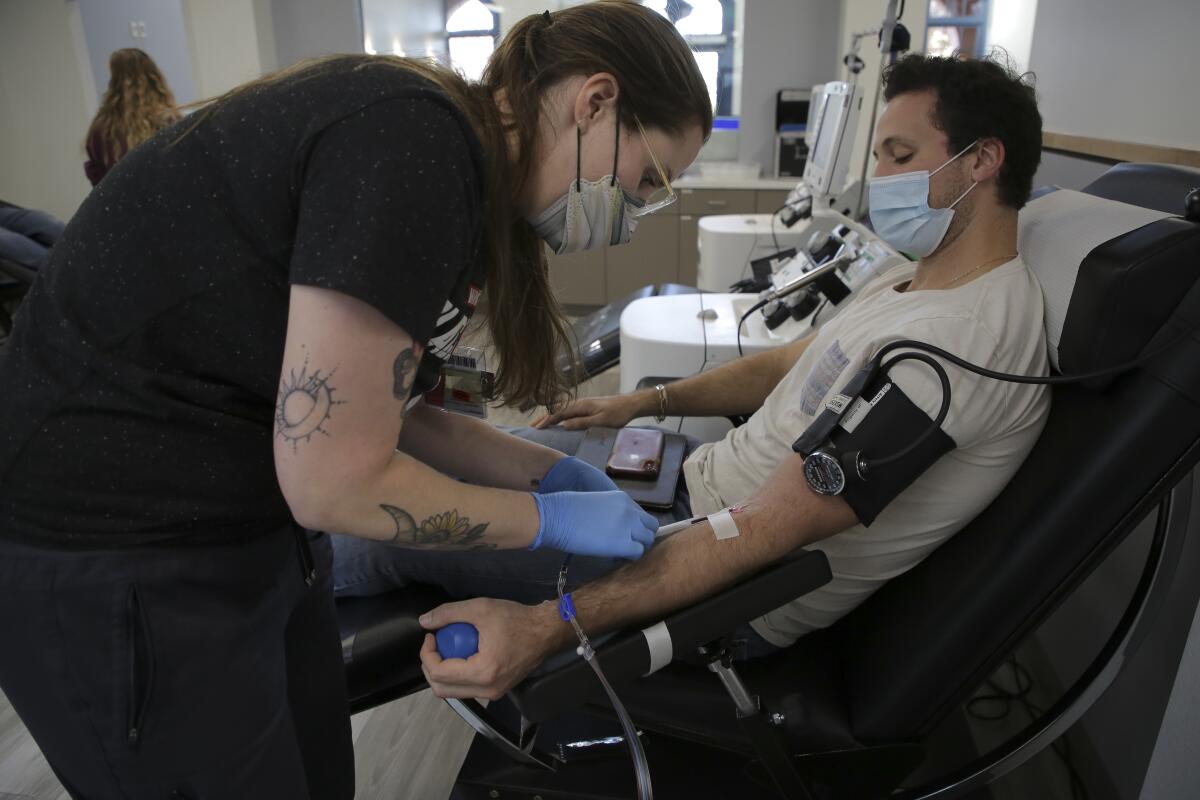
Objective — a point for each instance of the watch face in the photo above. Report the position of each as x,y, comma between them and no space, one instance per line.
824,473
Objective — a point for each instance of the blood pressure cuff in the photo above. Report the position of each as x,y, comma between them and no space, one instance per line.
881,422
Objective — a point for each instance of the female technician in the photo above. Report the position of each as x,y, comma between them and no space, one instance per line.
221,350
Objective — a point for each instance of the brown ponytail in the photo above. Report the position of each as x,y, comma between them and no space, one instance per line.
659,82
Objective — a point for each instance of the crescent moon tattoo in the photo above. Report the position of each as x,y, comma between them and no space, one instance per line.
303,406
406,526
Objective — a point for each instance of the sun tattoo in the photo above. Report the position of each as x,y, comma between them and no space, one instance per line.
304,404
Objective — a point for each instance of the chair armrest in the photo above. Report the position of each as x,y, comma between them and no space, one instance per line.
381,642
627,655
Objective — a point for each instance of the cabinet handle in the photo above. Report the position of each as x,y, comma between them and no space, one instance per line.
718,203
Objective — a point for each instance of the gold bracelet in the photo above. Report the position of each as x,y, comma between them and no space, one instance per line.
662,402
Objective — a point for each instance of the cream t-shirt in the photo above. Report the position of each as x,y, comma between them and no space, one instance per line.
994,321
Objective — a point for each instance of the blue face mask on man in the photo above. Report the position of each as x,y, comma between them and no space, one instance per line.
900,212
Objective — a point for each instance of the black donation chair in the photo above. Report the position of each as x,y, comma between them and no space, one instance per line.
846,712
1157,186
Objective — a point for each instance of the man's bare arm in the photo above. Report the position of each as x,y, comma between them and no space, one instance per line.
693,564
783,515
737,387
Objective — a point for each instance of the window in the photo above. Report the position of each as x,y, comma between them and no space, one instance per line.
956,26
707,26
471,37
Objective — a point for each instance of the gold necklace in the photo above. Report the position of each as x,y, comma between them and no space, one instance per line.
976,269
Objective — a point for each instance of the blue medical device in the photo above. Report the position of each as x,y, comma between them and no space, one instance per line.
457,640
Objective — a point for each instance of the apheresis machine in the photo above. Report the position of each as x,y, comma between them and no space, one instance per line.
794,269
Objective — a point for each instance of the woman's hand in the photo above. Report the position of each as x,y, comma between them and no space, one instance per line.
570,474
612,411
607,524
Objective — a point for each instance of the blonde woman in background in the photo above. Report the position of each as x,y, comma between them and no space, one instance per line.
137,103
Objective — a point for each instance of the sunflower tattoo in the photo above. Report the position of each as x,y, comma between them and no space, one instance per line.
448,530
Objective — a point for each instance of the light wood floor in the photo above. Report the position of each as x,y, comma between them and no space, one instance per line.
409,749
23,771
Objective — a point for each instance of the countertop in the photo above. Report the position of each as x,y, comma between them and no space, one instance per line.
697,181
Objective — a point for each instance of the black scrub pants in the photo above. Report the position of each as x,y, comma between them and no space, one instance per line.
186,672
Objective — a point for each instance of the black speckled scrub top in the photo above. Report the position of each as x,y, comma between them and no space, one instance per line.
137,392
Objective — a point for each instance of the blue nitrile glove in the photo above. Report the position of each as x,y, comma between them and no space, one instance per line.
571,474
593,524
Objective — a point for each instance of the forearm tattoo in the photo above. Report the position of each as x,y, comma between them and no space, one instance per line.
304,404
446,530
404,369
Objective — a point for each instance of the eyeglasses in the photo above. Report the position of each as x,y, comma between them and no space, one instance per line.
664,195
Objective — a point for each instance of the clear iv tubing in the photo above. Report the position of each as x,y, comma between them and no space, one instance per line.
640,765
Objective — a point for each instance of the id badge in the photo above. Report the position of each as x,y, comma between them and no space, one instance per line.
465,386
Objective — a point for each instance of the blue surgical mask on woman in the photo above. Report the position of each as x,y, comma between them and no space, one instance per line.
592,213
900,212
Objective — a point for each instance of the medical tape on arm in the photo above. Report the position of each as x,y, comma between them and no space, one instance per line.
722,524
658,638
658,642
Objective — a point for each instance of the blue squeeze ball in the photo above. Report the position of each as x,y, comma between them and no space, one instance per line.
457,640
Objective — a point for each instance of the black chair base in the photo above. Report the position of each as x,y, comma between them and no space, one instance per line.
679,769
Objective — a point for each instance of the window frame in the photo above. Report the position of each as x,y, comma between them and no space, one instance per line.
452,6
719,43
978,22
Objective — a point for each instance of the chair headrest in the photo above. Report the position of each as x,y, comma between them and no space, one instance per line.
1068,239
1161,186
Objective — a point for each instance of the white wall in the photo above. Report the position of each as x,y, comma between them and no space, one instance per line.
264,29
307,28
45,105
1120,70
1010,25
223,41
786,45
516,10
48,90
106,26
418,26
